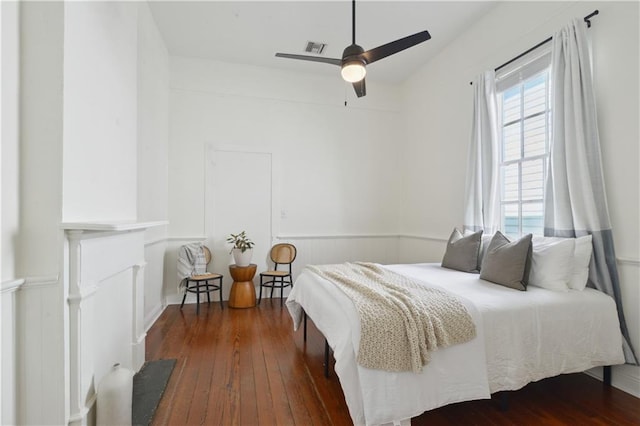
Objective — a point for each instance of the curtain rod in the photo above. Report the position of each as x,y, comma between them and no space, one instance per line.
587,19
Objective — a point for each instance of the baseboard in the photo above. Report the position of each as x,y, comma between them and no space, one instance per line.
153,316
622,378
176,299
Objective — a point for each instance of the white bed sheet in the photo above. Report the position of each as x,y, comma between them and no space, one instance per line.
534,334
377,397
521,337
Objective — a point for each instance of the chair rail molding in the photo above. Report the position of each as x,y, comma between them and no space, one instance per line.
333,236
9,286
628,261
104,289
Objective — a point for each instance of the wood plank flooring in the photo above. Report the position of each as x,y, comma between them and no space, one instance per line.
248,367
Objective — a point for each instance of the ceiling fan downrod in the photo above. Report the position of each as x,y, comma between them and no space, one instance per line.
353,21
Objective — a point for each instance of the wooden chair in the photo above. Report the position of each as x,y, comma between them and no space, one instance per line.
281,255
204,283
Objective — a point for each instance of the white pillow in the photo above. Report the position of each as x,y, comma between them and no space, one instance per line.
552,263
581,259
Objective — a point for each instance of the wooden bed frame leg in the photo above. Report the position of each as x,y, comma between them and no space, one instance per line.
305,325
606,375
504,401
326,358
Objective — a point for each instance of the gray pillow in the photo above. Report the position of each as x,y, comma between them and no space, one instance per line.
462,252
507,263
484,245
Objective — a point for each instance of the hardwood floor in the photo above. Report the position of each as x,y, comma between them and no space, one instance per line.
248,367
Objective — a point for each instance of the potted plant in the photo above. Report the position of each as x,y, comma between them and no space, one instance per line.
242,249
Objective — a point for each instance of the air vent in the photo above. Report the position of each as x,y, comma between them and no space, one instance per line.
314,47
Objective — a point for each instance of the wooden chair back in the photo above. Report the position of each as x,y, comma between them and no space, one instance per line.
283,253
207,254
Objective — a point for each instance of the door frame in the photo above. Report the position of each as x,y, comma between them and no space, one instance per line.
210,158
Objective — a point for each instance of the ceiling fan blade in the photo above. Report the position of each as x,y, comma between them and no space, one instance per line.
360,88
311,58
399,45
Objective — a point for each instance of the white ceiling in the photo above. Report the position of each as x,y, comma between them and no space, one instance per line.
251,32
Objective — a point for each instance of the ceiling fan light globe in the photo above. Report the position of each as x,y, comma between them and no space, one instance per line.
353,72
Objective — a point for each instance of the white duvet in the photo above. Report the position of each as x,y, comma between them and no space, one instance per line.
521,337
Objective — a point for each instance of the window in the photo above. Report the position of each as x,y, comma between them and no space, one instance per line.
525,121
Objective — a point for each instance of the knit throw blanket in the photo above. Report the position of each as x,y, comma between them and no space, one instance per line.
401,320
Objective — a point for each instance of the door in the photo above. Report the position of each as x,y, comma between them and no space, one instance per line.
242,201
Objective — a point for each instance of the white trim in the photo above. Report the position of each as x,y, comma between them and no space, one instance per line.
80,416
620,260
274,168
9,286
111,226
423,237
86,291
32,283
240,148
359,236
334,236
140,339
87,234
355,106
155,241
153,316
620,379
105,277
178,238
628,261
176,299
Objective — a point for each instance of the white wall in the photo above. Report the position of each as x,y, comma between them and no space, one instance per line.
336,172
10,138
100,111
152,155
9,211
438,102
39,305
41,92
78,108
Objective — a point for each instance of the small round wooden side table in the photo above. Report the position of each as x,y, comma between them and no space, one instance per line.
243,293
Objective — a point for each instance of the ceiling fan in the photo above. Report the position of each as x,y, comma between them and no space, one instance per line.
355,59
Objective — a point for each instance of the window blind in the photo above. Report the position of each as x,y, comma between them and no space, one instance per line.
525,118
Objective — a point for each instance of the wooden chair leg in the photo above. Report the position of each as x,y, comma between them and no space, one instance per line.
281,291
208,292
221,304
185,296
260,298
198,299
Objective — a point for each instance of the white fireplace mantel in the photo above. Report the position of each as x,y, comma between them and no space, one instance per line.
123,226
104,291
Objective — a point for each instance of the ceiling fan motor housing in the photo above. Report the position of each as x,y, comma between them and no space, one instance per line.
353,64
353,53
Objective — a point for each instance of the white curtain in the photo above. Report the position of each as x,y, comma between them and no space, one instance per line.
575,199
482,203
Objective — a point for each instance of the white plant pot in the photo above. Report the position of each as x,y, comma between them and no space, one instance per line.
242,258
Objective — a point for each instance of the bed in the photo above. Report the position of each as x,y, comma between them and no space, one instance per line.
522,336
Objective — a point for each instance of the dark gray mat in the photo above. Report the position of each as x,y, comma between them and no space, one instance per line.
148,386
